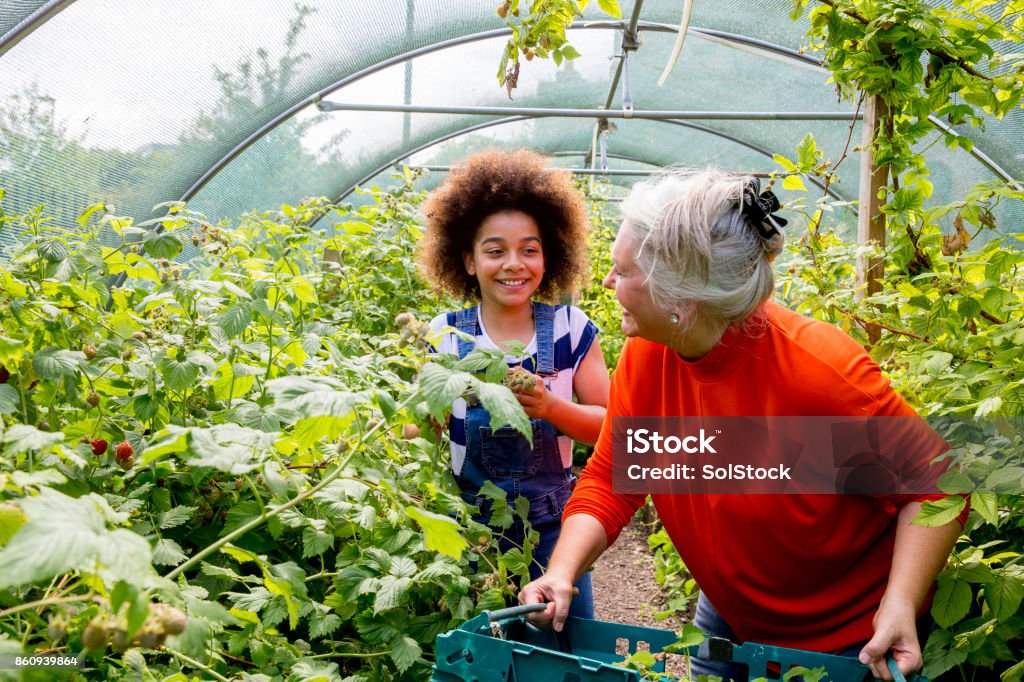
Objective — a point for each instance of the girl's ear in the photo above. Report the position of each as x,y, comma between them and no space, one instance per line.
467,260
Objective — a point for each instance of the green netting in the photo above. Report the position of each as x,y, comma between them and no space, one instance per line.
16,11
133,103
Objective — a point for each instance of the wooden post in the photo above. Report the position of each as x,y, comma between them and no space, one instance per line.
870,219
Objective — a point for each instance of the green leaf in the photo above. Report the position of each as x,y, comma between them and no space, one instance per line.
1012,674
940,512
404,652
228,447
323,624
516,562
441,386
64,534
503,407
475,361
440,533
315,541
229,384
691,635
937,362
807,153
391,592
162,244
610,7
1006,479
55,363
1003,595
955,482
11,350
168,553
987,505
795,183
178,376
53,250
175,517
235,319
11,519
83,218
10,400
303,290
22,438
786,164
569,52
952,600
940,654
491,600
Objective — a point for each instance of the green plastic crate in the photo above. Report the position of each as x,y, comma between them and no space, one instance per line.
500,646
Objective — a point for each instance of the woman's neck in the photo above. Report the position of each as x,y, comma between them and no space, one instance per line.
699,340
508,324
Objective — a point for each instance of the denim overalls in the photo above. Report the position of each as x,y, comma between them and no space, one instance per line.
505,458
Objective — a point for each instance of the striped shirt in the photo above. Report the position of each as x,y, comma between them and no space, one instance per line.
574,333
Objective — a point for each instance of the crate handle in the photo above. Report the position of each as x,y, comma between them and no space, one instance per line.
897,676
515,611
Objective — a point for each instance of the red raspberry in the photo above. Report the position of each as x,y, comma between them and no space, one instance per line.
123,451
99,447
4,374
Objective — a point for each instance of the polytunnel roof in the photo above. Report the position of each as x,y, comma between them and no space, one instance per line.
219,102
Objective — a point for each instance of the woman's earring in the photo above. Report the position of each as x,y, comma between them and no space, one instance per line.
673,318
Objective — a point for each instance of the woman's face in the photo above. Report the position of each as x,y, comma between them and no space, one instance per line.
507,259
640,317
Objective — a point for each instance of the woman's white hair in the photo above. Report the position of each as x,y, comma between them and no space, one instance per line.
703,258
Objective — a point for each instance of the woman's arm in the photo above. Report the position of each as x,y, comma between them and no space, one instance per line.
582,541
919,554
581,420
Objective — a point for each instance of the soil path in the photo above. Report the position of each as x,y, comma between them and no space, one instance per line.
624,587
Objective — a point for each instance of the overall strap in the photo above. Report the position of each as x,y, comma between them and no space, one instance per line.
544,319
465,322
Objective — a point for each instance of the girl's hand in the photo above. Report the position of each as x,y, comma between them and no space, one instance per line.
895,631
538,401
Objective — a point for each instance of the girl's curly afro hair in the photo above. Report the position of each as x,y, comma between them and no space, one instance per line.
495,181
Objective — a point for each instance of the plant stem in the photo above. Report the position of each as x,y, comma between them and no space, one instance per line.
43,603
370,654
196,664
274,511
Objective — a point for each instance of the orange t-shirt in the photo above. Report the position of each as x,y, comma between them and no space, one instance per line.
799,571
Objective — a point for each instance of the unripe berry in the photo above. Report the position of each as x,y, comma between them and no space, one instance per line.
89,351
94,637
93,398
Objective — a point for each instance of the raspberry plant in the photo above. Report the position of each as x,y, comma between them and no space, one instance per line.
203,469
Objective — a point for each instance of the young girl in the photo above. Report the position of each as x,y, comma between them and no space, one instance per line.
507,232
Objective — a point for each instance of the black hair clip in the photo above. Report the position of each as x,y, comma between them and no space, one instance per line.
760,209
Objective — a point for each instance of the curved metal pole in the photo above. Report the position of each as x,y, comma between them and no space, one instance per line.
513,119
348,80
428,49
30,23
483,35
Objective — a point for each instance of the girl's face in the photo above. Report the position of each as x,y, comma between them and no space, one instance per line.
507,259
640,317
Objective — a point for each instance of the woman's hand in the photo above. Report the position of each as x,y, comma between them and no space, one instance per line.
553,588
895,631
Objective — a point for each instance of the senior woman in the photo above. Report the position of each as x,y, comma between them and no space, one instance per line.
834,573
